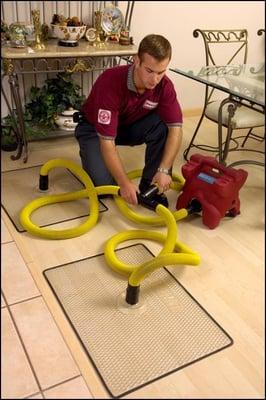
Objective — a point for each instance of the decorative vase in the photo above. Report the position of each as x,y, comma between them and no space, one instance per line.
17,33
65,120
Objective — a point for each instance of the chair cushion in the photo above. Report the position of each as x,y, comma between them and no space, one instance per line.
244,117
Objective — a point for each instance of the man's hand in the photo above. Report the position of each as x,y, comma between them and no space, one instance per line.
162,180
171,148
128,191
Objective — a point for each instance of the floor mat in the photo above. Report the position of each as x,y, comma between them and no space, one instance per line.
19,187
131,346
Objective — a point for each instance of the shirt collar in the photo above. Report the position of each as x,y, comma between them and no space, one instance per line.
130,80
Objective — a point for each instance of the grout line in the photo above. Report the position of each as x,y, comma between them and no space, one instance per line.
62,382
34,394
22,344
25,350
24,300
10,241
59,329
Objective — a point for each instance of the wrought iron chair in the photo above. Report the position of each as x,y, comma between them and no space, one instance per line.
250,133
235,49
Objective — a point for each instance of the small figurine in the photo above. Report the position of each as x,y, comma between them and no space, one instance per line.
37,27
124,38
44,32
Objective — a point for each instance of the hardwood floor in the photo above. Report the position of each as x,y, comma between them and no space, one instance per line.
41,355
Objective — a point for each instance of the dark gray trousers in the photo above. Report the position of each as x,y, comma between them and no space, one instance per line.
150,130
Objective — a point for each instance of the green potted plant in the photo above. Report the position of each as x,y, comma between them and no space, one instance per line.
9,138
57,95
8,135
45,104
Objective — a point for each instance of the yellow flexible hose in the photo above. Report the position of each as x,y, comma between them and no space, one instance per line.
173,251
89,191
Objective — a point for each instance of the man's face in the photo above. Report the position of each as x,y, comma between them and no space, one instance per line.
149,71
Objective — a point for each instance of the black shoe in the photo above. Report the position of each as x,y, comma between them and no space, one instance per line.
144,185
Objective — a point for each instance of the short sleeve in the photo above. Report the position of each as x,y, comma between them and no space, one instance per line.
102,107
169,108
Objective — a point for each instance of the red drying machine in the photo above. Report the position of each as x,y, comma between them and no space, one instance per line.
212,187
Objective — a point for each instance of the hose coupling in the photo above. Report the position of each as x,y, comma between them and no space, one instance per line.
132,296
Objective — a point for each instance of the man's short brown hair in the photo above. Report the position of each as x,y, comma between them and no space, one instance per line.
156,46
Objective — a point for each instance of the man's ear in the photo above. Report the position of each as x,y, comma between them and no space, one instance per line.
136,60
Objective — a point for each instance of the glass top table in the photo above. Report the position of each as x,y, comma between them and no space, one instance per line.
244,83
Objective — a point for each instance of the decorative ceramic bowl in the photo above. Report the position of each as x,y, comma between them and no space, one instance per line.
69,33
65,120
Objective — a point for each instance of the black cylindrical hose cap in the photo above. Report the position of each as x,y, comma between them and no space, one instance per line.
43,182
132,296
194,207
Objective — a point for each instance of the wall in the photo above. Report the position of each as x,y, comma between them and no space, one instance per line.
174,19
177,19
21,10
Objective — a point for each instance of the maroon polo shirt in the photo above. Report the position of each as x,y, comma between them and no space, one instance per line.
114,101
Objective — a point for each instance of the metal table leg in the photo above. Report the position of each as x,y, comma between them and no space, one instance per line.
223,152
17,114
22,139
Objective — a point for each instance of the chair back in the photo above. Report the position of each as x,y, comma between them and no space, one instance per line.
234,42
223,47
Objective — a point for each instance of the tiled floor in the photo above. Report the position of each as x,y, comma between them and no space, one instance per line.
36,357
32,345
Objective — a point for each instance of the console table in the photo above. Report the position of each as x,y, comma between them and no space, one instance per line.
53,59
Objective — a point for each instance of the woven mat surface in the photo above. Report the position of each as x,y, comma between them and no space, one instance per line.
19,187
131,346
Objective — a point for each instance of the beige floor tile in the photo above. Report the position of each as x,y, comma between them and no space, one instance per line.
17,282
74,389
42,151
47,350
5,235
17,378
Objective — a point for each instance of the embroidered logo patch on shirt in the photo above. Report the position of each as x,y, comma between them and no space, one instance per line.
104,116
150,105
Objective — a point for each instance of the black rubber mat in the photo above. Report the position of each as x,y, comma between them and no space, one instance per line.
20,187
132,346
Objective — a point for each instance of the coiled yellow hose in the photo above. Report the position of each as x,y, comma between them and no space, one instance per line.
89,191
173,251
